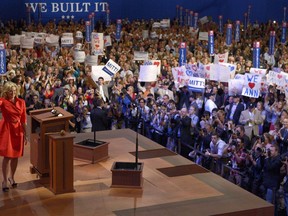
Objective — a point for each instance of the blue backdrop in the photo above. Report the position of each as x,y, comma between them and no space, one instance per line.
261,10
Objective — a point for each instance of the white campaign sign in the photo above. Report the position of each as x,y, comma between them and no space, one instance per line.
276,78
148,73
258,71
27,43
67,41
154,62
107,41
252,93
79,56
252,81
203,36
67,34
196,82
141,56
221,58
235,86
180,76
52,40
231,67
97,71
97,43
111,67
14,40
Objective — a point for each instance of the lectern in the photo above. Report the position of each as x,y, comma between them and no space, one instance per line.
61,163
43,123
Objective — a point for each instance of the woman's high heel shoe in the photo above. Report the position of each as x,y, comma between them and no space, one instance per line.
4,187
12,183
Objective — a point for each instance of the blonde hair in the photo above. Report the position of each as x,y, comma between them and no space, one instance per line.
8,87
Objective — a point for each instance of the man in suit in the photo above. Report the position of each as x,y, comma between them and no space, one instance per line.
251,119
98,116
185,132
103,89
235,110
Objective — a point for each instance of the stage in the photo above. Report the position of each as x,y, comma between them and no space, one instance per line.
172,185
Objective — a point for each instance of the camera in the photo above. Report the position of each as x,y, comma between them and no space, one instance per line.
260,138
284,158
237,133
268,152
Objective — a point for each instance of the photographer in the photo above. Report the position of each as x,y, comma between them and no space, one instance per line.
173,127
159,124
256,159
203,143
271,174
205,119
240,131
238,160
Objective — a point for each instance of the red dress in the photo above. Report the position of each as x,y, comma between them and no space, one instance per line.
11,129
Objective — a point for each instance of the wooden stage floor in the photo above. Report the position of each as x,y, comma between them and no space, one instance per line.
189,191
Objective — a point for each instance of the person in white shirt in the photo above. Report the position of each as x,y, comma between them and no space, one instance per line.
193,116
216,152
210,104
269,58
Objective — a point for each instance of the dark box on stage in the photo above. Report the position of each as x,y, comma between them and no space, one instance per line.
91,151
127,175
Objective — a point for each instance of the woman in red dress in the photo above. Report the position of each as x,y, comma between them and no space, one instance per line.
13,134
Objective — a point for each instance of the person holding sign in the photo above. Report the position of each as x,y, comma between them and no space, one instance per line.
103,89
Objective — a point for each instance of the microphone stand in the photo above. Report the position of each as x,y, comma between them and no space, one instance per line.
137,143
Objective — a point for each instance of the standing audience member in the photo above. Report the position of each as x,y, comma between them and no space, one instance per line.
185,129
86,124
235,110
98,116
271,174
251,119
216,152
13,132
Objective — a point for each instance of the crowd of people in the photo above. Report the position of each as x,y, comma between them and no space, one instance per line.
243,139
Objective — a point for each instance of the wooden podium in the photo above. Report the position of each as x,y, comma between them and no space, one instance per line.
43,123
61,163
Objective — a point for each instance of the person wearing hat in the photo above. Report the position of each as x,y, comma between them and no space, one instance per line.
251,119
235,110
